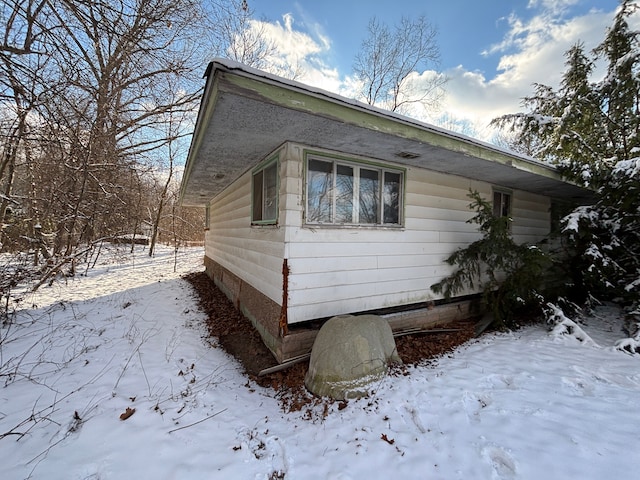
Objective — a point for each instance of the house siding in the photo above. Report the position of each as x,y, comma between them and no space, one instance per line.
531,217
345,270
253,253
336,270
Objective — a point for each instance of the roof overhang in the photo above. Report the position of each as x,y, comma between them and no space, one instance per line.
245,114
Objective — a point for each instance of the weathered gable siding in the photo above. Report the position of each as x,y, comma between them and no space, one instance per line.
254,254
343,270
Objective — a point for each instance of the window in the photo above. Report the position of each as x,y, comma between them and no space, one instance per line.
265,194
340,192
501,203
207,214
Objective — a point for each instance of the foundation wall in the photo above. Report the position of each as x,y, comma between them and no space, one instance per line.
264,314
259,309
299,342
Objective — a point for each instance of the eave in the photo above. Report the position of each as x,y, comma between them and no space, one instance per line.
246,114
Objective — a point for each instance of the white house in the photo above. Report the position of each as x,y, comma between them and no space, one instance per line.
318,205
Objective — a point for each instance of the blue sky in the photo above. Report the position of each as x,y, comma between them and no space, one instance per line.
492,51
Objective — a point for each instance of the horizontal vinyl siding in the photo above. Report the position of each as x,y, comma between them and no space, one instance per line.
372,278
531,217
346,270
254,254
361,298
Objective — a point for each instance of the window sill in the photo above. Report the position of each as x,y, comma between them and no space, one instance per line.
265,225
352,226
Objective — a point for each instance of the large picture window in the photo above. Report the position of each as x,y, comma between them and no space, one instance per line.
265,194
345,193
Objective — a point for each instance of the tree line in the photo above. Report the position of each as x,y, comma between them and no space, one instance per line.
96,102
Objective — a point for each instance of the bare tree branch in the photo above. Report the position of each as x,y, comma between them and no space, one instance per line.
387,59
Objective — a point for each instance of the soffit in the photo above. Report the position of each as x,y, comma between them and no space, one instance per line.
245,117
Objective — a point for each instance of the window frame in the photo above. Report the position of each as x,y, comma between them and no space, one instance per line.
259,171
503,192
357,168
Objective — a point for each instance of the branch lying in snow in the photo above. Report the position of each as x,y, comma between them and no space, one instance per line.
199,421
564,326
69,259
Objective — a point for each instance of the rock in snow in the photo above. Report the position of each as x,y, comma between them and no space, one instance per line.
349,353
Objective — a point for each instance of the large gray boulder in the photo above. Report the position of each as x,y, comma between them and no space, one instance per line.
348,354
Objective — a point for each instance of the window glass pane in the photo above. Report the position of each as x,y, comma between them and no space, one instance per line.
506,205
257,196
501,204
497,204
319,191
369,196
270,192
391,197
344,194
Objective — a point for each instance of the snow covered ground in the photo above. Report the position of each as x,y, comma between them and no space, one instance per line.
128,337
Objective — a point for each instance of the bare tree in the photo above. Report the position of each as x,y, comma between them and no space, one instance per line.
22,21
176,129
456,124
117,58
236,35
21,64
387,59
96,94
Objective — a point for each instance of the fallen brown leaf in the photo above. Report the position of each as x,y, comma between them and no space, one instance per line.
127,413
390,441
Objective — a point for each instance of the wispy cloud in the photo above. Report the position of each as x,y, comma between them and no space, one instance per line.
300,53
291,45
531,51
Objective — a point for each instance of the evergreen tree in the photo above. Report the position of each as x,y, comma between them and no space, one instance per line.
620,88
509,274
534,127
579,130
565,125
591,131
610,229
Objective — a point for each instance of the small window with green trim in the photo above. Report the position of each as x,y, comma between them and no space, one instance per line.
264,189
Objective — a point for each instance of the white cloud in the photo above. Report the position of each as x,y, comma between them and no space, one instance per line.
290,42
532,51
291,46
299,54
555,6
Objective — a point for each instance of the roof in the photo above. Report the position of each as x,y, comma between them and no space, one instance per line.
245,114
